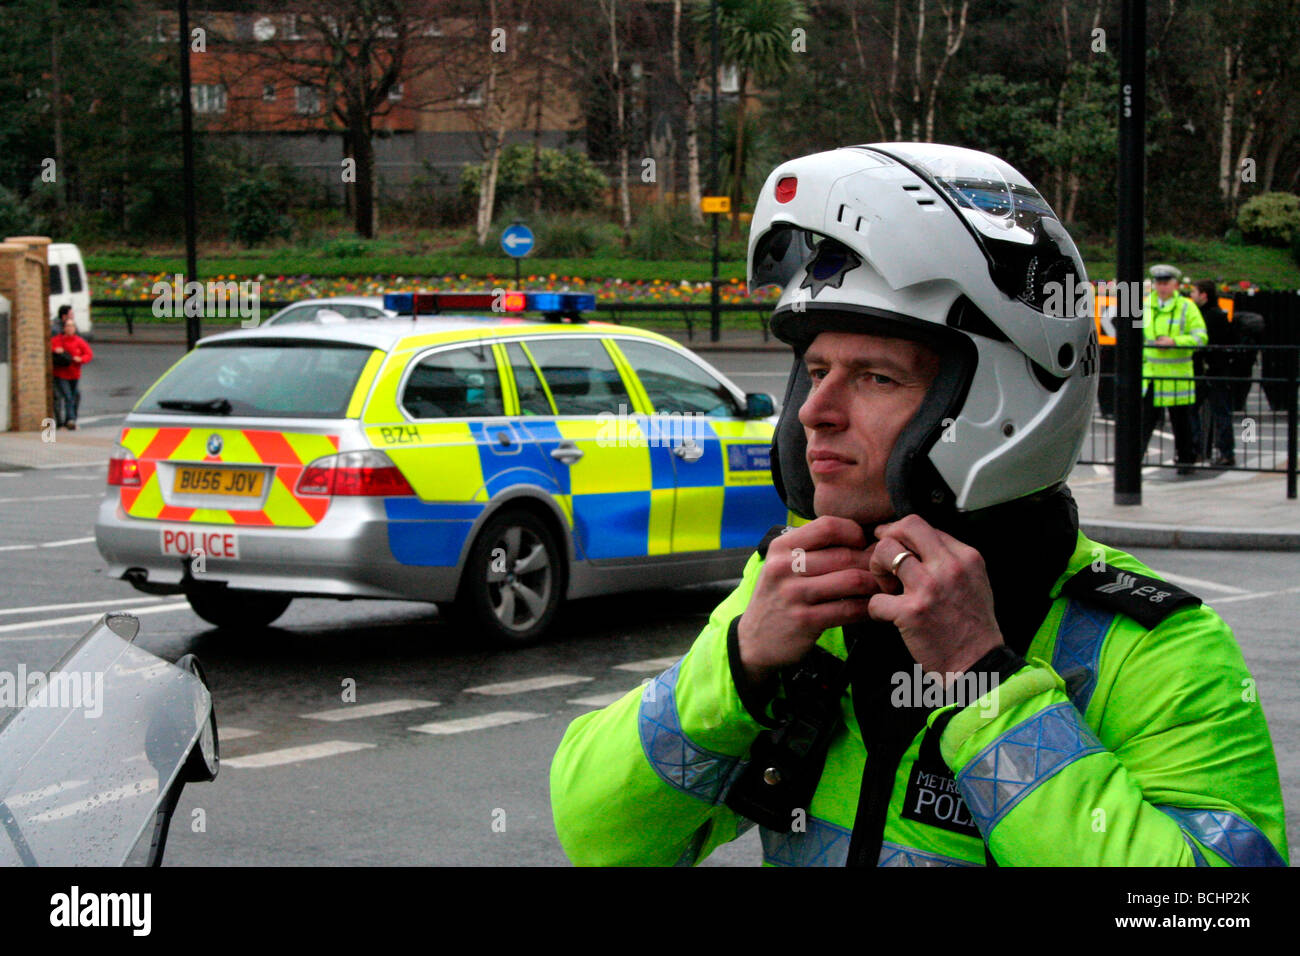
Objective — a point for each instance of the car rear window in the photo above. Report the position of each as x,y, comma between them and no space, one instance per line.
266,379
56,280
460,383
74,277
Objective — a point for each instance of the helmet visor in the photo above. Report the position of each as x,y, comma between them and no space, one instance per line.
1027,248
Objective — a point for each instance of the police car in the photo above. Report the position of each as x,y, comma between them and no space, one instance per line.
494,465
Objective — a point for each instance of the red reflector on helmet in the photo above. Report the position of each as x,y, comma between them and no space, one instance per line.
785,188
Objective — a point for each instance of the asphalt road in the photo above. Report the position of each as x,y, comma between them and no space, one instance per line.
379,787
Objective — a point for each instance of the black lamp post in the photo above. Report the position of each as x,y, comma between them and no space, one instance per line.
1128,326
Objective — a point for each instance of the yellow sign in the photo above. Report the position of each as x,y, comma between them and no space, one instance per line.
715,204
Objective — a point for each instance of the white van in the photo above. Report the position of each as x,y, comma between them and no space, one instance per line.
68,285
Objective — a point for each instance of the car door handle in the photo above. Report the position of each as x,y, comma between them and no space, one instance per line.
503,439
567,452
688,451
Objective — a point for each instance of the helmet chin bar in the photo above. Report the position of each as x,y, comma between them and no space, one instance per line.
914,484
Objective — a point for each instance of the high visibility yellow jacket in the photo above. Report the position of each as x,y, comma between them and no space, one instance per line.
1133,736
1170,370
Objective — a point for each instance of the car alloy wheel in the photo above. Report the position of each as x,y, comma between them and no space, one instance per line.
514,578
519,578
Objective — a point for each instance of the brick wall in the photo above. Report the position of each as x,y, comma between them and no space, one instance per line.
25,281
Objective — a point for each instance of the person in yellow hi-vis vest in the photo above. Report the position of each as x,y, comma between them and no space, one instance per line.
937,668
1173,328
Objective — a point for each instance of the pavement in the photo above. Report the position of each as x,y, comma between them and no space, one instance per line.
1234,510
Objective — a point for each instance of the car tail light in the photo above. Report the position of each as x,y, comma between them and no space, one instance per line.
123,469
353,473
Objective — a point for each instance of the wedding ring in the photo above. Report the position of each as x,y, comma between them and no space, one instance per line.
898,559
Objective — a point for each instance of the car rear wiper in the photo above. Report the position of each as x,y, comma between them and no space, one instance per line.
214,406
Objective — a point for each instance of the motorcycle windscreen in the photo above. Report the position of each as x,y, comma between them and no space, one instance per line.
86,761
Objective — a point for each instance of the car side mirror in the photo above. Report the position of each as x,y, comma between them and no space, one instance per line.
759,405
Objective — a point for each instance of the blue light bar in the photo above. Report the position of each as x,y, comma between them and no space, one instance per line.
561,301
431,303
399,302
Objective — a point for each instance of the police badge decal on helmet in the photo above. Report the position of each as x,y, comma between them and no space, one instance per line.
830,264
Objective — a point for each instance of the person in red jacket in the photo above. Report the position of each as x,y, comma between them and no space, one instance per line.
71,352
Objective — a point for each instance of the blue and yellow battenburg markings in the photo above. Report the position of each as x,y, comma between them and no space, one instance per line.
624,499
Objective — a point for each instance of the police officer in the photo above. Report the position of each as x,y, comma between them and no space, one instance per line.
936,668
1216,392
1172,328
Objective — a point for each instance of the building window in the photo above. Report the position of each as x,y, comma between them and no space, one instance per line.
472,97
268,92
729,80
395,94
208,97
306,100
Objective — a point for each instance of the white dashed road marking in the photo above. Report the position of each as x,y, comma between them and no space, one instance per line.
5,501
275,758
81,619
103,602
652,666
234,733
531,683
97,801
1251,597
378,709
498,719
1200,583
31,796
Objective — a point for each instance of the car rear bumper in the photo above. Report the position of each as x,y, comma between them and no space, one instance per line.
347,554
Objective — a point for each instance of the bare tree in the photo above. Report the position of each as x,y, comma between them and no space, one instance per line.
351,54
687,89
609,8
953,35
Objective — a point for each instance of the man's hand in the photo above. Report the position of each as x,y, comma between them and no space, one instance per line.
816,577
1165,340
59,350
945,610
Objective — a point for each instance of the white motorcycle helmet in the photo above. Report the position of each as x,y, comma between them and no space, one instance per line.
953,248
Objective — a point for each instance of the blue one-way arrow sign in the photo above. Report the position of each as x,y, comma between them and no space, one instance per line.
517,240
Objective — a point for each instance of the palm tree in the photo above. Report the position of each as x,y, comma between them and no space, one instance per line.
757,38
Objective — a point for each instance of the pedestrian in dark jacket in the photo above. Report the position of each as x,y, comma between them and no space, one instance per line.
71,352
1217,395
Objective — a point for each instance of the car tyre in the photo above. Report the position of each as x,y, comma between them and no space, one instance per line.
229,608
513,581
